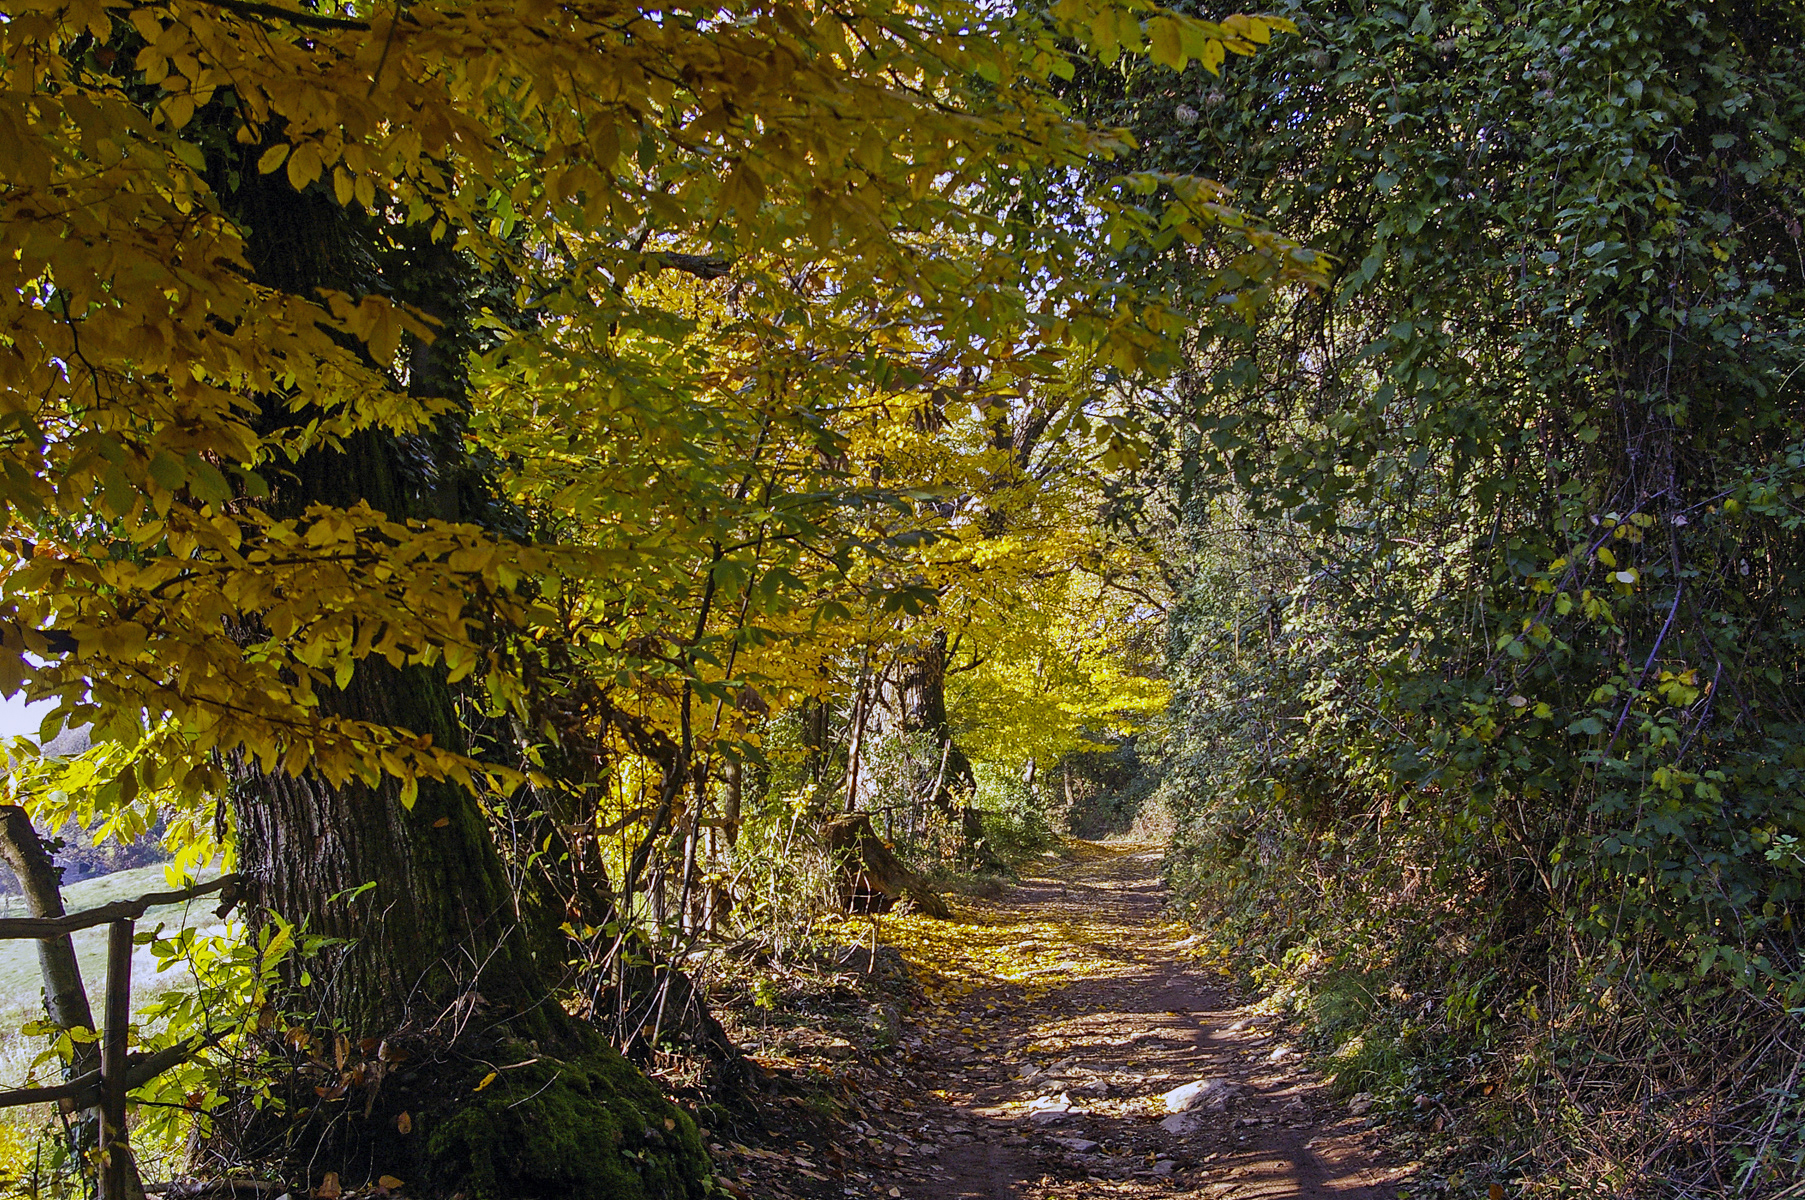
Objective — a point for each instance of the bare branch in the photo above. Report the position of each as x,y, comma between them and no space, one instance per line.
306,20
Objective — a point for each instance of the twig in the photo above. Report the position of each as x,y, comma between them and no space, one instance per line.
84,1090
306,20
1748,1173
1629,702
940,778
191,1189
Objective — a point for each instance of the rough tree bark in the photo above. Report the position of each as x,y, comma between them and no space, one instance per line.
436,990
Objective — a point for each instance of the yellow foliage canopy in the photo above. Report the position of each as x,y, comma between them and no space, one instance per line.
823,157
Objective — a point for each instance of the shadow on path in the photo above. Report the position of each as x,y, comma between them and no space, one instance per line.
1051,1079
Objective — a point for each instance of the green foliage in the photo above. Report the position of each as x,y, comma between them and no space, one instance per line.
780,876
1490,666
220,1000
210,993
1015,815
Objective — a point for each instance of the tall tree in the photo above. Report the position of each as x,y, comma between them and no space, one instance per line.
242,535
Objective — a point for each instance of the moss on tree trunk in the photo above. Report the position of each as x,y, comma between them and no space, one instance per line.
587,1126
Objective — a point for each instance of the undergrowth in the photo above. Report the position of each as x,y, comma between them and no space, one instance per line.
1496,1041
1489,739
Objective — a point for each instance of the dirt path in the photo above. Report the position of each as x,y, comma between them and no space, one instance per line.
1060,1016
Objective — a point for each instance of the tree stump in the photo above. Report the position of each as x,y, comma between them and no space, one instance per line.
870,878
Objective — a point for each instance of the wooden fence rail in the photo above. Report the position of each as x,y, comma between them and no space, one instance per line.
16,928
119,1071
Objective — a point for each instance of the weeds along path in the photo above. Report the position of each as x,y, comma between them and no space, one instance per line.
1060,1019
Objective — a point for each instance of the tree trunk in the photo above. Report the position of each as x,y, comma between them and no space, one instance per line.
440,904
855,749
945,777
65,997
869,877
434,989
817,737
733,779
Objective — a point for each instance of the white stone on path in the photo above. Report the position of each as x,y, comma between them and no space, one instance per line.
1210,1094
1053,1108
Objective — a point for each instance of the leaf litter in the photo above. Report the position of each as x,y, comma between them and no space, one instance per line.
1064,1040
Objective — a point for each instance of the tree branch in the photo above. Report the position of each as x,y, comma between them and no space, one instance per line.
84,1091
306,20
44,927
702,266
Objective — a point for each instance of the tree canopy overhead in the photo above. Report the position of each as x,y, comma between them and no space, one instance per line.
160,384
547,489
443,429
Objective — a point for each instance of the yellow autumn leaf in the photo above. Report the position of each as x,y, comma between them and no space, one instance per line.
305,165
1213,55
1165,43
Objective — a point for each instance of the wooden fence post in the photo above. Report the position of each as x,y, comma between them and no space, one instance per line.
65,997
103,1088
117,1173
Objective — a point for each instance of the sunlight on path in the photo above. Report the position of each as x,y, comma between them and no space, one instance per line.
1059,1022
1038,945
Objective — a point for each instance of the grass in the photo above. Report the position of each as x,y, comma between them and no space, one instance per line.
21,986
21,991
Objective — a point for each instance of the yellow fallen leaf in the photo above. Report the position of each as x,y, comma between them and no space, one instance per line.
389,1182
487,1080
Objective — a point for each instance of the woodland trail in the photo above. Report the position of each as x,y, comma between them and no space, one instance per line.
1059,1016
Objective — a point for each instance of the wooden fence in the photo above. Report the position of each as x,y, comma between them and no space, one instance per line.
119,1072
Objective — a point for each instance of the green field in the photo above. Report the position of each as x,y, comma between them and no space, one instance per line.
21,997
21,987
